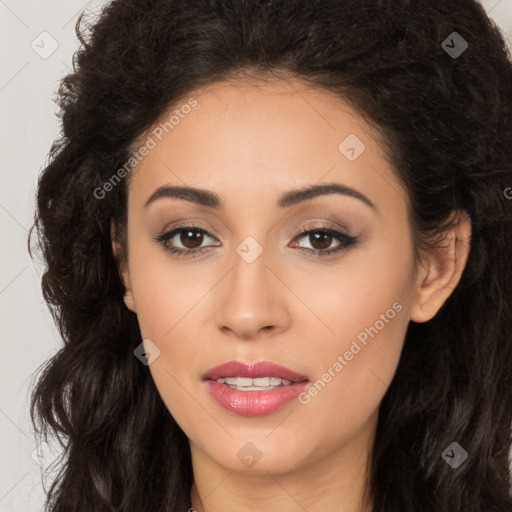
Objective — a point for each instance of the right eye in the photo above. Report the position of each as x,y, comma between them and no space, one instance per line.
190,237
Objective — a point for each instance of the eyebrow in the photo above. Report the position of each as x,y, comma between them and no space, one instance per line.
290,198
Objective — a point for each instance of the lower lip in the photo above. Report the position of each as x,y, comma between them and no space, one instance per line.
254,403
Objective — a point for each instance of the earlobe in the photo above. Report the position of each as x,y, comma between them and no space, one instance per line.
128,300
124,275
442,271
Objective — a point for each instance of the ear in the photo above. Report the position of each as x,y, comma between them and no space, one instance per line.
122,265
442,270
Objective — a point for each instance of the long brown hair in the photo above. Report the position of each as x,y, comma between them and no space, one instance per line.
445,111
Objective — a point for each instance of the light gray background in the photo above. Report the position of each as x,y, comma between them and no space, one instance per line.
28,82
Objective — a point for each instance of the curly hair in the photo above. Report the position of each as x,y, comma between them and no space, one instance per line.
446,123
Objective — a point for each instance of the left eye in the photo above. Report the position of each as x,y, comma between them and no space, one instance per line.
192,237
321,239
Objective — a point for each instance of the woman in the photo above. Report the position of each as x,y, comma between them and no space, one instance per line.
277,238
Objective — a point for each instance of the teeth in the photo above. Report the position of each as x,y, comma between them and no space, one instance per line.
259,383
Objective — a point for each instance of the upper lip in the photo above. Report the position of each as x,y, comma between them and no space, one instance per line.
253,370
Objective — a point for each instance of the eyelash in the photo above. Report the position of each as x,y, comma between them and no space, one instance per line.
346,241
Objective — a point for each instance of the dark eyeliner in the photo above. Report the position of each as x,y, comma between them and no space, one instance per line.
346,241
164,237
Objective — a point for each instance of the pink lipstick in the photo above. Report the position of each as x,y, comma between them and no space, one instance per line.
253,389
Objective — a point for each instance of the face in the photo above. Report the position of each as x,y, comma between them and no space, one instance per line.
249,270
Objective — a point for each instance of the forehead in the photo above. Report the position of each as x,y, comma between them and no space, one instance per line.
248,138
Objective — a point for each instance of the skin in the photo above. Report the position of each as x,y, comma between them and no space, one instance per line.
248,143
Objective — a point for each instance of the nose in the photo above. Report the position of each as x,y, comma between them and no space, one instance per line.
251,300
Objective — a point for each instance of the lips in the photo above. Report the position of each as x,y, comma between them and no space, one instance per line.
253,370
253,400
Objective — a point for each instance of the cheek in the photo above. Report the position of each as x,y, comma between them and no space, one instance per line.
172,302
369,289
354,367
166,294
169,309
364,312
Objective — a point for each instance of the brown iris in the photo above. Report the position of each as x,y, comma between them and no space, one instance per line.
323,240
191,238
